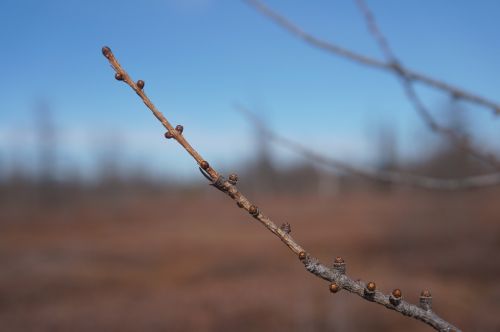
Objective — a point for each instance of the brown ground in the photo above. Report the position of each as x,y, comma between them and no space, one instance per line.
198,263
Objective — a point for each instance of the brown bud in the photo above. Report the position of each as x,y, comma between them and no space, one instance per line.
339,265
119,76
253,210
140,84
106,51
426,300
240,205
179,129
395,297
233,178
285,227
334,288
168,135
396,293
204,164
302,255
370,287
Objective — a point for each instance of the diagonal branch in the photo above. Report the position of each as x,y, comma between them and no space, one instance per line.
411,75
461,141
336,274
398,178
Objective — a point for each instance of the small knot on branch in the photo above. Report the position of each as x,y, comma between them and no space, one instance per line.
339,265
119,76
302,255
240,205
140,84
233,178
396,297
253,210
106,51
426,300
179,129
219,183
285,227
334,287
370,289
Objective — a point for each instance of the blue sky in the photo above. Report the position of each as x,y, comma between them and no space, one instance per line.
199,57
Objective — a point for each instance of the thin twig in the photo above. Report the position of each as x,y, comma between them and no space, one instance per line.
336,275
393,177
412,75
460,140
406,76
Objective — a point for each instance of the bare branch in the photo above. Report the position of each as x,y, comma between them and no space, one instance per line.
410,74
375,31
337,277
461,141
398,178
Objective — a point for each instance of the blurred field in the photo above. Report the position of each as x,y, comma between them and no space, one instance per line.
195,262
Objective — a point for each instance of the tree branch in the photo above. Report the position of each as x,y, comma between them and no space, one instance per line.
336,274
406,76
398,178
461,141
410,74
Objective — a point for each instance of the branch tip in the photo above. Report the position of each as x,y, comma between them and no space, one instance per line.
106,51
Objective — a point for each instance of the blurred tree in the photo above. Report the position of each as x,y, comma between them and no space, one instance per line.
447,159
386,147
108,155
46,145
